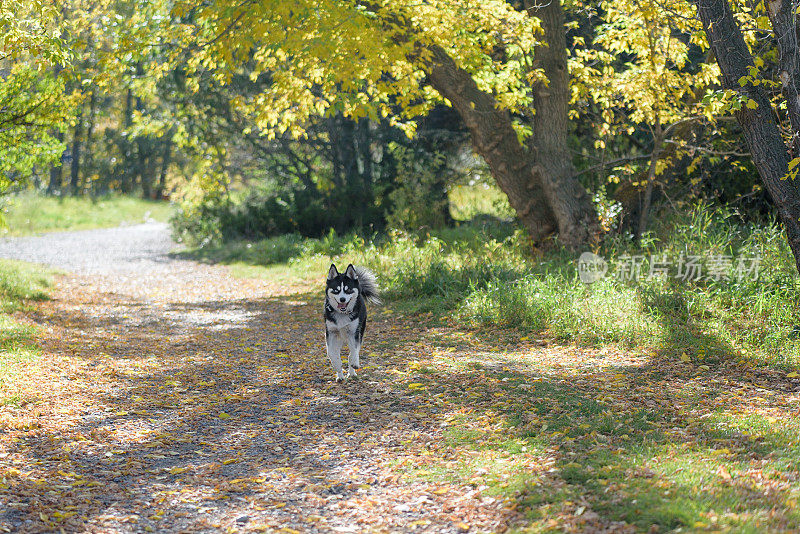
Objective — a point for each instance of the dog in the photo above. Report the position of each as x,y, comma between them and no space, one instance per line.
346,297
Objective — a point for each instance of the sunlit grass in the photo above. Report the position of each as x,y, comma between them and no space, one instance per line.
30,213
20,283
469,201
488,274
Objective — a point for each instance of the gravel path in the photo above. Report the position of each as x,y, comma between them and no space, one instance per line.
125,249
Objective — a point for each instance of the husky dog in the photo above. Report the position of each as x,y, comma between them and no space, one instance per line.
346,314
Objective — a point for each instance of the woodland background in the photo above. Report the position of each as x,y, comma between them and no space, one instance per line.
289,130
467,152
264,118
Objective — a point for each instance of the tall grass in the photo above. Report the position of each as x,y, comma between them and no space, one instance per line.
490,275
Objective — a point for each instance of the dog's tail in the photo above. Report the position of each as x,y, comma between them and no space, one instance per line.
368,285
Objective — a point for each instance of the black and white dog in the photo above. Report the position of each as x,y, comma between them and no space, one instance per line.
346,314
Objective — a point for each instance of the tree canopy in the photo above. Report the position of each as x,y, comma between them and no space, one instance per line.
571,107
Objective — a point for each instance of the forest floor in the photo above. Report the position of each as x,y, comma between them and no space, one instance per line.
169,396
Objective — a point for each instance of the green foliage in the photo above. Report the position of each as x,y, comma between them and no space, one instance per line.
28,212
30,34
419,200
32,108
33,102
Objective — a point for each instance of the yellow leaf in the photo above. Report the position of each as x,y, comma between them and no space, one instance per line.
752,104
685,358
223,415
230,461
793,374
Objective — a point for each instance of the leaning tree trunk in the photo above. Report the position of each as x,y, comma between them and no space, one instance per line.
495,139
758,125
577,218
782,17
539,179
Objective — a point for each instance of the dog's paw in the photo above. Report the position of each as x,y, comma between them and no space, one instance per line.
351,373
340,376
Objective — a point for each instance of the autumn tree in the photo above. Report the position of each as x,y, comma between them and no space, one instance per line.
503,70
33,106
774,154
639,74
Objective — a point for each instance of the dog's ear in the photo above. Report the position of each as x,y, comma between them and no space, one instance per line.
351,272
332,272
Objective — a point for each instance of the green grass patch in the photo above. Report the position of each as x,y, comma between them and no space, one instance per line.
20,284
485,273
470,201
29,213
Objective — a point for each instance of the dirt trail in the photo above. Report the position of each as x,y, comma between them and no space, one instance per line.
171,397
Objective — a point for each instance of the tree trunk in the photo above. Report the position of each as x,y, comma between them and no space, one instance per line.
75,165
494,138
573,209
758,125
57,170
166,158
87,150
125,172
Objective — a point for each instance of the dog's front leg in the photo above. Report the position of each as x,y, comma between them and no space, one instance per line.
334,343
354,344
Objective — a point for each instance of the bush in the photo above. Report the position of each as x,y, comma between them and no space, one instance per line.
420,199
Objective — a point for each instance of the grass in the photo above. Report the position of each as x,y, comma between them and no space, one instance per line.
20,284
28,213
486,273
658,444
